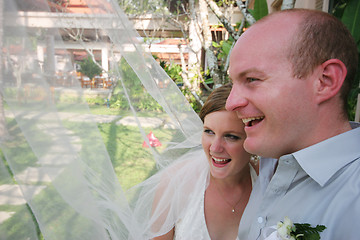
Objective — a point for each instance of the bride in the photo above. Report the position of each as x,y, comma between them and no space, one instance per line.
57,178
203,194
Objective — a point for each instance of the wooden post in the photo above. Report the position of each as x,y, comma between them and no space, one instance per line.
357,112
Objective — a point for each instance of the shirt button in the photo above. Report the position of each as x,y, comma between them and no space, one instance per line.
260,220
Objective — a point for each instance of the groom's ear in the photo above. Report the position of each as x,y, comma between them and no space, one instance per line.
332,74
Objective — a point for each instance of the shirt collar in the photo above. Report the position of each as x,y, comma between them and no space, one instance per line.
322,160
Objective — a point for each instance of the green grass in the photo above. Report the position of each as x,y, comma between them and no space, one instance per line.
101,110
132,163
20,225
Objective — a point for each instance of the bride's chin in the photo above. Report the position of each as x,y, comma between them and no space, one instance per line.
218,173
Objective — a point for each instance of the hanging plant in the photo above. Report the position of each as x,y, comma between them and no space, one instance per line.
89,68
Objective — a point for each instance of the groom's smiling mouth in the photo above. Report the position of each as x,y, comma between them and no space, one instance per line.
251,121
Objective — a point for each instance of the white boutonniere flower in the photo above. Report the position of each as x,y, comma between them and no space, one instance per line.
287,230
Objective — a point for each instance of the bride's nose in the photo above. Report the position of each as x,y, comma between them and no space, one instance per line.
216,145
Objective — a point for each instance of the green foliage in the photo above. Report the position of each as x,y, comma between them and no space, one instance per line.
96,100
191,99
260,9
89,68
173,70
348,11
142,7
119,101
306,232
223,48
140,99
350,17
222,3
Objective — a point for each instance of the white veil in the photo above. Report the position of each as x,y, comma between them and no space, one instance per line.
56,176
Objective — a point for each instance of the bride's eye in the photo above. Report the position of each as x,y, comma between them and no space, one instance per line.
232,137
208,131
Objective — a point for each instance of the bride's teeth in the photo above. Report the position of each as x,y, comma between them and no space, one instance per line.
220,160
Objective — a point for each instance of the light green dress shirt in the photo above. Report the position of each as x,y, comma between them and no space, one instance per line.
316,185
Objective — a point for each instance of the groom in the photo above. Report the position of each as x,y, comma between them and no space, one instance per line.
291,74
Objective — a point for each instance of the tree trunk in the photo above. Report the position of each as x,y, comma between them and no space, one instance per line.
288,4
243,8
184,75
211,60
195,46
219,14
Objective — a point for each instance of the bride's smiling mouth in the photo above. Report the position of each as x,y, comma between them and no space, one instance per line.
220,162
251,121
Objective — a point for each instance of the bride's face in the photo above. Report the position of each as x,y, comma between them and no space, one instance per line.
222,141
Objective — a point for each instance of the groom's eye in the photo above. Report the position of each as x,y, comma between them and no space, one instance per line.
250,79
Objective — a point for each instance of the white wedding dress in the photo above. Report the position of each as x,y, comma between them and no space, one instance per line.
192,224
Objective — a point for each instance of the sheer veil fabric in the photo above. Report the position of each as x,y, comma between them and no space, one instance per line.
56,176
